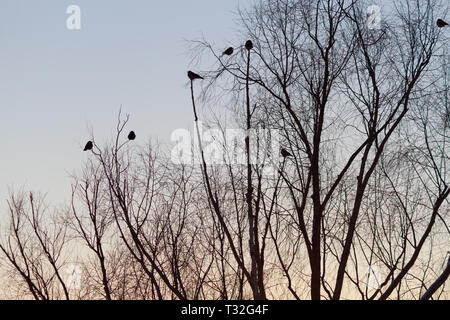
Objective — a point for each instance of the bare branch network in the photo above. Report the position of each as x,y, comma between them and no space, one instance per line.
356,205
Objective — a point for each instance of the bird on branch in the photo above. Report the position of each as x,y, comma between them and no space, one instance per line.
249,45
192,76
285,153
228,52
441,23
88,146
131,135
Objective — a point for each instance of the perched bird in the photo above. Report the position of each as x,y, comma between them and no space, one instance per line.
192,76
249,45
441,23
131,135
88,146
285,153
228,52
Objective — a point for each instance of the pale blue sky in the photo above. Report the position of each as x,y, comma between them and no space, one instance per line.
55,83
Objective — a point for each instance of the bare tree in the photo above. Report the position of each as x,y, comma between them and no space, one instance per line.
93,226
326,80
34,246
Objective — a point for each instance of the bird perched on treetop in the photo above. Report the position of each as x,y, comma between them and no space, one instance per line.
131,135
88,146
285,153
249,45
228,52
192,76
441,23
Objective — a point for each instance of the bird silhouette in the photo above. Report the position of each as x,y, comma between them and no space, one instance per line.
285,153
441,23
228,52
131,135
192,76
249,45
88,146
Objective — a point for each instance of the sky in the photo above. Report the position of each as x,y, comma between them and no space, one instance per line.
56,83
